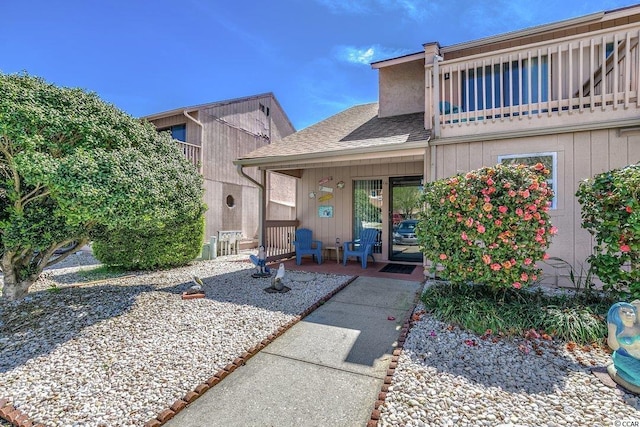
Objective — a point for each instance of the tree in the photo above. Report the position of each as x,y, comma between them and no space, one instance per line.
72,165
406,200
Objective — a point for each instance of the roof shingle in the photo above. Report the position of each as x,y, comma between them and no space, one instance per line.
353,128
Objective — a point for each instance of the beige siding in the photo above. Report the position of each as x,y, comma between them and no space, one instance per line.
229,131
580,155
340,226
402,89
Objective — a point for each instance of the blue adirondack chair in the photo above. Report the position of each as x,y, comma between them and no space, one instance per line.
304,244
362,248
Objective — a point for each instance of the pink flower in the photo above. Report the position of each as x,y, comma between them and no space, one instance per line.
503,209
524,277
464,236
490,181
512,193
628,209
495,266
545,256
486,259
519,212
517,285
625,248
528,216
526,194
481,228
469,222
443,256
497,222
553,230
528,261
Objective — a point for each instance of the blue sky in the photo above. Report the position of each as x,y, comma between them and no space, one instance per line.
148,56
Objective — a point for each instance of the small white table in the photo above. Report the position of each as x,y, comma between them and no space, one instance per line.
334,248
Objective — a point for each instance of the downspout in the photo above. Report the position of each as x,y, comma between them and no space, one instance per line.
263,202
436,95
200,160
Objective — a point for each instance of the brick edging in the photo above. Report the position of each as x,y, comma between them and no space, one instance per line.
191,396
404,332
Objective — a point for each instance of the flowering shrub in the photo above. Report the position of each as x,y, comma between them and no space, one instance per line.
611,213
489,226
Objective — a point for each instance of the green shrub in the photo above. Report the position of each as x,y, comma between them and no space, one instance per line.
478,308
171,246
488,226
611,213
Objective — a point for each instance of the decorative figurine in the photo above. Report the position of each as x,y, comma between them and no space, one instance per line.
624,339
277,283
260,262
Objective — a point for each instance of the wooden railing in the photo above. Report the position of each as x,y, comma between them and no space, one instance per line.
548,83
191,152
279,239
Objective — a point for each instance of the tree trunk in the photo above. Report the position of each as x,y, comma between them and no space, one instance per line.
35,262
14,289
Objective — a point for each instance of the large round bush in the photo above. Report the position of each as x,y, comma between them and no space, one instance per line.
488,226
170,246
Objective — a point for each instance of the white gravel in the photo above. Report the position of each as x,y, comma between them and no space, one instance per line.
118,352
449,377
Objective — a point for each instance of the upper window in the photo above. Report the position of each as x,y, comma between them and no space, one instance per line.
264,109
548,159
178,132
505,84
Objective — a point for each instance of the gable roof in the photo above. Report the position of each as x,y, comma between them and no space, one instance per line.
356,129
179,111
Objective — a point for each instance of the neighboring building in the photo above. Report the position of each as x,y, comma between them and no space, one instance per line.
565,93
211,137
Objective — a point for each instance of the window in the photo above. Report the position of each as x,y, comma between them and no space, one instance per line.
264,109
481,87
230,201
178,132
548,159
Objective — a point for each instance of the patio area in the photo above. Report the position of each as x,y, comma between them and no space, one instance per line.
353,268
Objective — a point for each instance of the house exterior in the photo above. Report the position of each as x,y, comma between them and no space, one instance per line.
565,94
211,136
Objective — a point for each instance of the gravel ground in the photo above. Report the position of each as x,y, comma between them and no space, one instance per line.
449,377
118,352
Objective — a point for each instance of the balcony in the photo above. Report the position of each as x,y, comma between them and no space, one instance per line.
192,153
573,81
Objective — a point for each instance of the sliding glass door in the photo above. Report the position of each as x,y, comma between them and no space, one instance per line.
367,208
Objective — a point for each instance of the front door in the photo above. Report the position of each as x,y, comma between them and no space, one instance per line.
405,203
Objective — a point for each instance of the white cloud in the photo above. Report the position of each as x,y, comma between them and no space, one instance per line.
366,55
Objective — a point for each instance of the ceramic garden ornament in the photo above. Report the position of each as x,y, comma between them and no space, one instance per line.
624,340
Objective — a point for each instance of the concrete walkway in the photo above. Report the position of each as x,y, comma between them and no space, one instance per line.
326,370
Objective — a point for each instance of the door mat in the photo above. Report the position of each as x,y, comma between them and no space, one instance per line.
397,268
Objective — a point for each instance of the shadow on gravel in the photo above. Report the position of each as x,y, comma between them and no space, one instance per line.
43,320
239,288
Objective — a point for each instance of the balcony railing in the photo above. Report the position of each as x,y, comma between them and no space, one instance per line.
578,79
191,152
